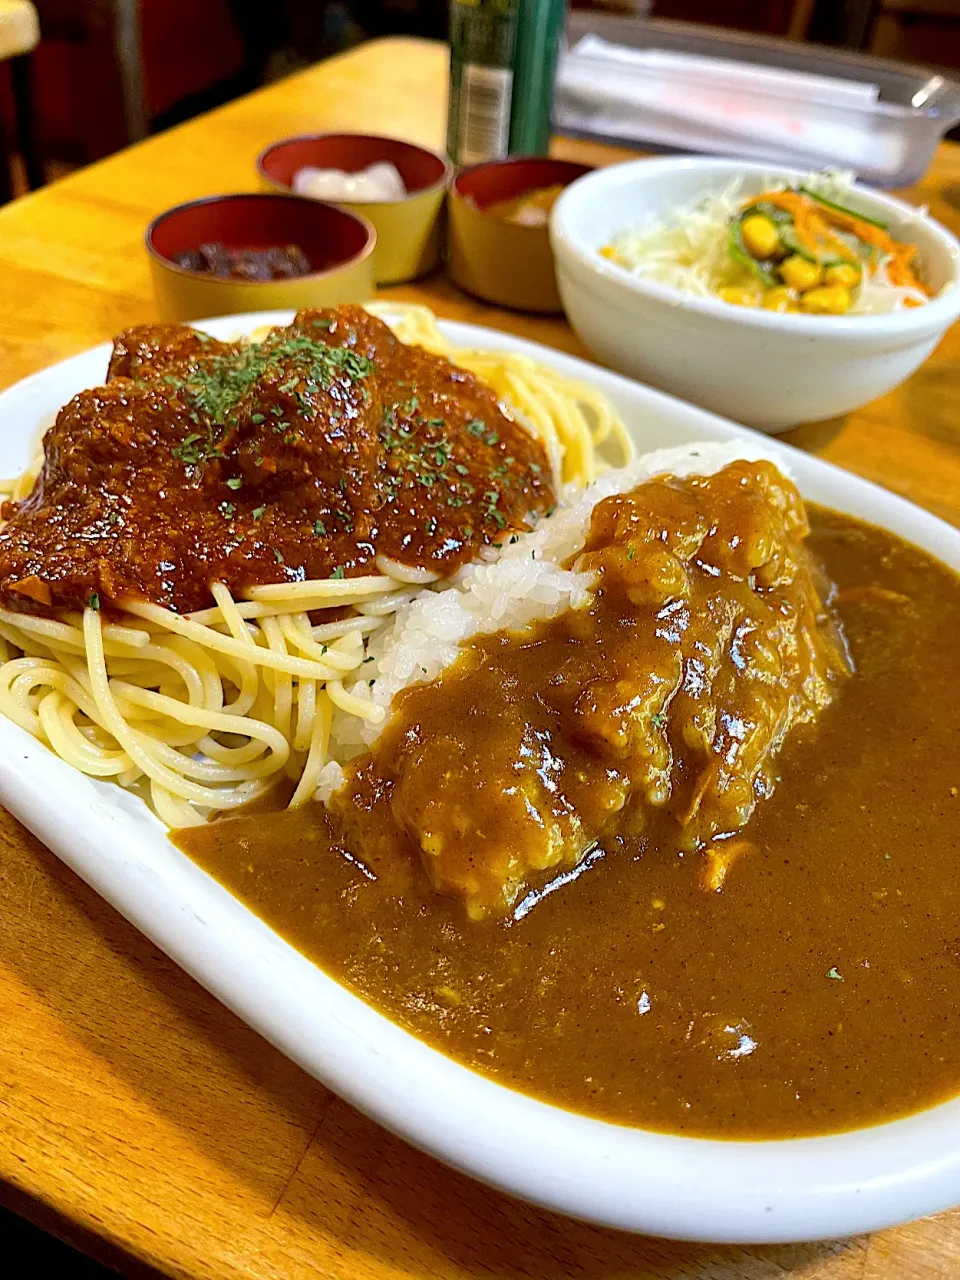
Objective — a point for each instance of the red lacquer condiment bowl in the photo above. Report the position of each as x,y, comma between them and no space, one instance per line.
338,244
501,261
408,230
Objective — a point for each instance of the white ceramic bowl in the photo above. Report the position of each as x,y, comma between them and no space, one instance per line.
763,368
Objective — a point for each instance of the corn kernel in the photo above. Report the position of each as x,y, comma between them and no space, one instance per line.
759,236
830,300
844,274
608,251
799,273
739,296
779,299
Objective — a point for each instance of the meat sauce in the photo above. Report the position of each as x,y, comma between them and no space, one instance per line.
815,992
304,456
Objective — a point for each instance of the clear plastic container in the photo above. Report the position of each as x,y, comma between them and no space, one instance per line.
683,87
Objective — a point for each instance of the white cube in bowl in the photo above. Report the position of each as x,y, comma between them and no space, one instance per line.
770,370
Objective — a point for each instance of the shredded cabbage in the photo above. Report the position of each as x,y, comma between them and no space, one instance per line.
689,251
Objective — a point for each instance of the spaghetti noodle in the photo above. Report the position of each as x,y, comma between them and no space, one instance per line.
205,710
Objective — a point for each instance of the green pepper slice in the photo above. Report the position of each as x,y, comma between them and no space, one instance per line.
839,208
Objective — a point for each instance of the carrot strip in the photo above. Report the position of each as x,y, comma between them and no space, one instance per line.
813,225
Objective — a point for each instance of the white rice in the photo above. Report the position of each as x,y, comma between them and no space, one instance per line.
521,583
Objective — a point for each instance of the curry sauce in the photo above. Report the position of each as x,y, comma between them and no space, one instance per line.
815,992
705,645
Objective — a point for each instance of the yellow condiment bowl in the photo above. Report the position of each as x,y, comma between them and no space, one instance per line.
339,244
408,230
497,260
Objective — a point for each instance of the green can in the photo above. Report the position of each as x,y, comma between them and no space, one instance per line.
539,29
503,60
483,36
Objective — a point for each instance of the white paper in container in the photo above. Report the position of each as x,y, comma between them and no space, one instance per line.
701,104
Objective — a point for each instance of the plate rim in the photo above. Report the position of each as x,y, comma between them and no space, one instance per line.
662,1184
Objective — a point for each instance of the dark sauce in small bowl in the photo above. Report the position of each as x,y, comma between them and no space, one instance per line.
274,262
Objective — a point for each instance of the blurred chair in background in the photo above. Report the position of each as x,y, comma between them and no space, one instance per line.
19,36
916,31
288,34
769,17
106,72
623,8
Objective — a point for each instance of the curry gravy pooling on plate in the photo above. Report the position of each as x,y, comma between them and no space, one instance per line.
804,985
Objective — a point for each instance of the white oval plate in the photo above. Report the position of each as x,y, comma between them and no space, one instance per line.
685,1188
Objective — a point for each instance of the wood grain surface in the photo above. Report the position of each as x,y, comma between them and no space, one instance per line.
137,1116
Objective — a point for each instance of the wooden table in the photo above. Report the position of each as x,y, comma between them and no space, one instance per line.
137,1116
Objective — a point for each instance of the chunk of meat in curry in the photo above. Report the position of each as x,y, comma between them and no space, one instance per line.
705,645
306,455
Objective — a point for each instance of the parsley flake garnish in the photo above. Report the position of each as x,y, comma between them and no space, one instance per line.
94,602
189,452
217,388
234,482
